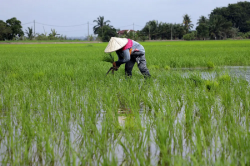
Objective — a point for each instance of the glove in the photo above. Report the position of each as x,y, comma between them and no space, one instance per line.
115,67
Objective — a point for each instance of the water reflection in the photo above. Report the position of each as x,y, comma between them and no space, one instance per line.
121,120
233,71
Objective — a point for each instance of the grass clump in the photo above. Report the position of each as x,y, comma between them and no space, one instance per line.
210,65
167,67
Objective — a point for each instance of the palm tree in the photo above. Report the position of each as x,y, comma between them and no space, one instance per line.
29,33
100,23
53,33
202,20
219,26
187,23
151,29
203,27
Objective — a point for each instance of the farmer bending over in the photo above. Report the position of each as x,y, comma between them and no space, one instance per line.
128,52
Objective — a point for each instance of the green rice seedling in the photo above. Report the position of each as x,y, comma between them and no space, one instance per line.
167,68
108,58
154,67
224,78
58,108
196,79
210,65
211,85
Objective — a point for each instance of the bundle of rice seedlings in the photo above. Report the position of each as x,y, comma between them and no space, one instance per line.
108,58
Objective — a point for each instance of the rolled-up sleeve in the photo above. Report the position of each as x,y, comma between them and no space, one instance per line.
124,56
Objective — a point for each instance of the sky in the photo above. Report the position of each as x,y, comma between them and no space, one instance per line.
71,17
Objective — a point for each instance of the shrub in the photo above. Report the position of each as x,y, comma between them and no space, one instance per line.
91,38
244,35
189,36
143,38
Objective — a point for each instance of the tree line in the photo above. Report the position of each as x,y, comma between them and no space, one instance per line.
12,30
232,21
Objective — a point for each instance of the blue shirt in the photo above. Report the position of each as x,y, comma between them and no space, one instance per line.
124,55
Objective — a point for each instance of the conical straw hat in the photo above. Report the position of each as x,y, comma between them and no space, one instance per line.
115,44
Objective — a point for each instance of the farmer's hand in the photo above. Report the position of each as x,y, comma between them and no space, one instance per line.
115,67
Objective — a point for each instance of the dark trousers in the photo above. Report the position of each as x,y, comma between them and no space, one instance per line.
141,62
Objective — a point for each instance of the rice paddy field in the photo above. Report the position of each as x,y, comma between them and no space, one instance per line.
58,107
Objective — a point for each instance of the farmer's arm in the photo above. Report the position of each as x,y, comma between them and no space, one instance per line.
124,56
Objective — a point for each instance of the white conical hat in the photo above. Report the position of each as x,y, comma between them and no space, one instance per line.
115,44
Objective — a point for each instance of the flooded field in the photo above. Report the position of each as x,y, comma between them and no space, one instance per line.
233,71
58,108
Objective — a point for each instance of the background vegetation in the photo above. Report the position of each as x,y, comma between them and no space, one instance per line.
222,23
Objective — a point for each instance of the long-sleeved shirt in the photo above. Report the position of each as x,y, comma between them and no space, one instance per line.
124,55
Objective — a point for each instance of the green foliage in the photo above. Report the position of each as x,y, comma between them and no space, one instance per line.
143,38
108,32
131,124
130,34
108,58
189,36
29,33
219,26
161,31
42,37
103,29
187,23
101,26
167,67
5,31
53,35
224,78
90,38
203,27
196,79
151,29
211,85
210,65
154,67
225,22
136,36
244,35
238,14
16,28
